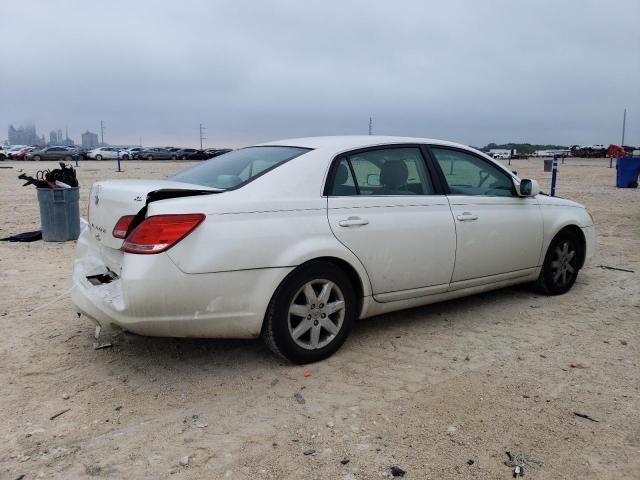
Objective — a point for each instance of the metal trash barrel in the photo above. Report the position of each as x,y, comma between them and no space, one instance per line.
59,213
548,165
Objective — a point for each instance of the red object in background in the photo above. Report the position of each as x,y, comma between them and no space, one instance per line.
615,151
22,153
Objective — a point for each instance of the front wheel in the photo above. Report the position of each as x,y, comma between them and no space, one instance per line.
68,158
561,265
98,157
36,158
310,314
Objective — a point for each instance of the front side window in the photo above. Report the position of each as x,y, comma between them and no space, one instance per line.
388,171
237,167
467,174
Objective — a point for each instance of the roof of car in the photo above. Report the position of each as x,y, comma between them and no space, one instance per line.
342,142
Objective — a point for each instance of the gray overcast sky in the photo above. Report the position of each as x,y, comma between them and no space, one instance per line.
469,71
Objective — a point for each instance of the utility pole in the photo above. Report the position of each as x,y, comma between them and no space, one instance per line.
370,125
102,132
202,132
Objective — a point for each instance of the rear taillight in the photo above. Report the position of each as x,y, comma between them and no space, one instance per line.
161,232
121,228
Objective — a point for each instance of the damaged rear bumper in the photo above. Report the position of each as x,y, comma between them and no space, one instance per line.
149,295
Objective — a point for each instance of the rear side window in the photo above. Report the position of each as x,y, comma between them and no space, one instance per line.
237,167
387,171
468,174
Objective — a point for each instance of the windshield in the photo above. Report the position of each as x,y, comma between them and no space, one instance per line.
237,167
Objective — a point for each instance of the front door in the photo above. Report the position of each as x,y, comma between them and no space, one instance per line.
383,206
498,232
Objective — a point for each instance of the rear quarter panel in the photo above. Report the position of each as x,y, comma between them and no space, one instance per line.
278,220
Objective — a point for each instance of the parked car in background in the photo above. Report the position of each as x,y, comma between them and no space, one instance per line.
50,153
3,151
22,153
130,153
202,253
103,153
184,153
201,155
82,152
13,150
218,151
157,153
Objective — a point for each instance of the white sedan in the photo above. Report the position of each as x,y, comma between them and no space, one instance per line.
292,241
107,153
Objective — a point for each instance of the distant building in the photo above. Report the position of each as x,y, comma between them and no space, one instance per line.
89,140
24,135
53,138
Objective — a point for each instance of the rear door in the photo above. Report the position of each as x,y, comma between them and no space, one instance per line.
56,153
384,206
498,232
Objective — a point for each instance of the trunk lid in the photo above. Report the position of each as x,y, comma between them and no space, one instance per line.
112,199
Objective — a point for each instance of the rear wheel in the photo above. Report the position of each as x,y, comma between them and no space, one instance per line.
561,264
310,314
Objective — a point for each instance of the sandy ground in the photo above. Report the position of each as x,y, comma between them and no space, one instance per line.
442,391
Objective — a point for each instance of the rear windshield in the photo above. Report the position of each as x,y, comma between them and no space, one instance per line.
237,167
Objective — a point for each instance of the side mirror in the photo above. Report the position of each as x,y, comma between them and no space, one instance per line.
529,188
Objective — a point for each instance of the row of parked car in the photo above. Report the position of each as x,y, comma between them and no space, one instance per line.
25,152
155,153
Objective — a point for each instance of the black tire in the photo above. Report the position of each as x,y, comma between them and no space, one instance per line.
276,331
149,157
552,281
173,157
98,157
125,157
36,158
68,158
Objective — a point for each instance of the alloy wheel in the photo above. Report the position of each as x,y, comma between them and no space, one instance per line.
316,314
563,265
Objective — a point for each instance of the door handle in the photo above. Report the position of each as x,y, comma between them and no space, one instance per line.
353,222
467,217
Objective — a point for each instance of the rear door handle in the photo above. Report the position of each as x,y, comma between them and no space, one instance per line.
353,222
467,217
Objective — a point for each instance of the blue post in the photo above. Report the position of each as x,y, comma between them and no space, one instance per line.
554,175
118,160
